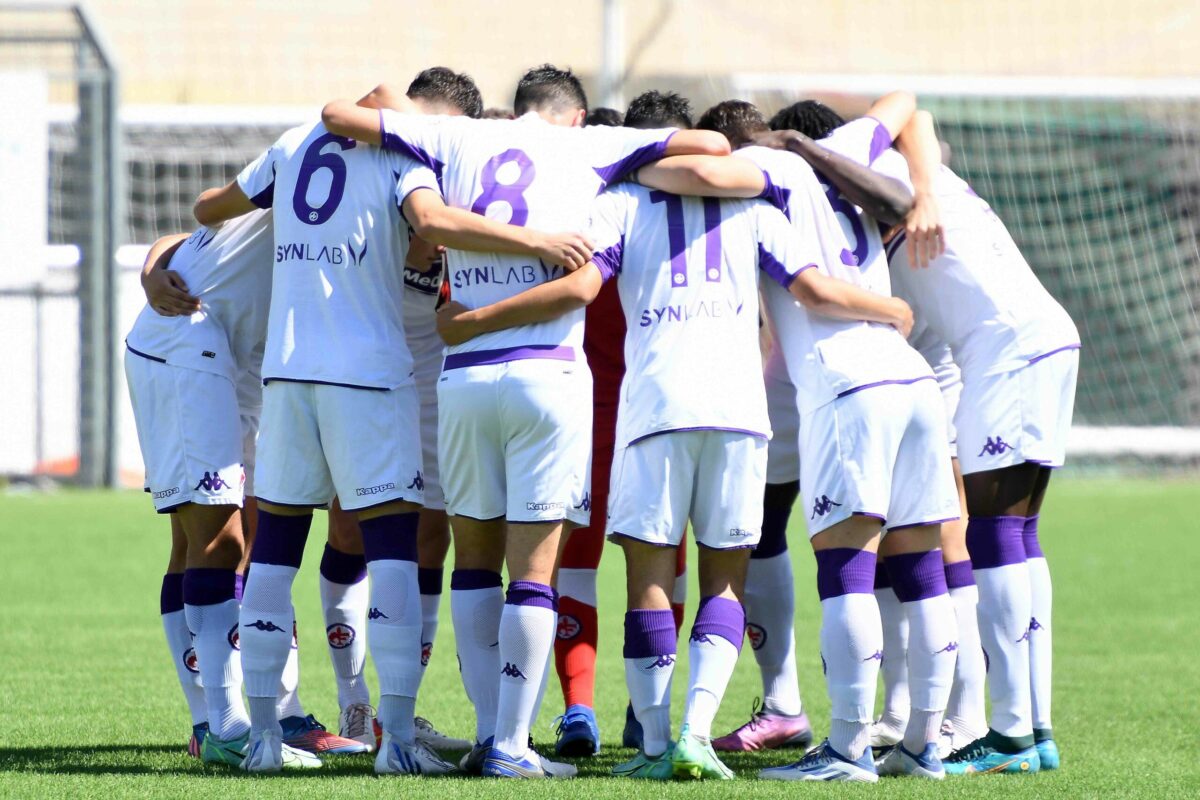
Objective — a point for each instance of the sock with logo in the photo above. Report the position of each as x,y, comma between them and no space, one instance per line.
919,580
770,608
1005,608
394,618
476,603
266,621
429,582
713,650
965,710
851,644
212,615
288,703
1042,595
679,591
345,596
650,646
578,626
527,626
179,644
893,669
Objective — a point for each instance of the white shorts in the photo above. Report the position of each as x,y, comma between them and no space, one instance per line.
879,452
783,450
714,478
427,366
515,440
190,433
1019,416
318,440
949,380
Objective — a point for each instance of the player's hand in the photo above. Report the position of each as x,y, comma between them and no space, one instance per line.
926,234
903,317
167,293
567,250
453,325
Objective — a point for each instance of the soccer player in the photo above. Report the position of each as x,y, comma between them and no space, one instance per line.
341,414
514,407
604,116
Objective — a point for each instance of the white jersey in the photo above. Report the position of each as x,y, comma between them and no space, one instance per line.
229,270
980,296
689,289
340,248
524,172
420,297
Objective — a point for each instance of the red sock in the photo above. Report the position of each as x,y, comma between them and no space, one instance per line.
575,651
680,569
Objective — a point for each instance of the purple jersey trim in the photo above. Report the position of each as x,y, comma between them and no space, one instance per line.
881,140
265,198
393,142
775,268
1035,359
639,158
756,434
145,355
894,245
610,259
776,195
503,355
895,382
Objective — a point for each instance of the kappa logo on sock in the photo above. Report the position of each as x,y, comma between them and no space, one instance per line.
340,635
662,662
949,648
823,506
1025,635
995,446
700,638
212,482
190,662
876,656
757,635
269,627
234,638
418,482
1034,625
427,653
568,627
375,613
511,671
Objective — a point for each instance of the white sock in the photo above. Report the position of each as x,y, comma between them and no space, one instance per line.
220,667
288,703
345,609
528,625
965,709
894,667
770,604
851,647
578,584
932,651
429,626
476,616
265,630
1040,640
183,657
649,683
394,636
1004,614
711,661
541,695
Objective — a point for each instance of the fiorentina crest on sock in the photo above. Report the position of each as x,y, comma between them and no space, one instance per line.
756,634
568,627
340,635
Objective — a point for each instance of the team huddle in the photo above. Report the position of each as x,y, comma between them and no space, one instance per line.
523,334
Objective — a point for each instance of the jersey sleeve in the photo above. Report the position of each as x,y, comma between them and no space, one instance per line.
425,139
892,164
257,180
411,176
862,140
812,238
607,230
616,153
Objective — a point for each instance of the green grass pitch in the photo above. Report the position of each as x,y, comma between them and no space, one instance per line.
89,705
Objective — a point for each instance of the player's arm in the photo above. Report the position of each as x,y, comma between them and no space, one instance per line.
438,223
344,118
221,204
919,144
457,323
834,298
166,292
893,111
694,142
883,198
705,176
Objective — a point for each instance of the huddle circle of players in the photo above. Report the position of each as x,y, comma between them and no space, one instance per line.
540,334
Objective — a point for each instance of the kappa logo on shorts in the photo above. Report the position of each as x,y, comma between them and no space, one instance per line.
823,506
586,503
568,627
418,482
340,635
234,638
738,533
544,506
757,635
662,662
190,662
208,354
949,648
995,446
212,482
267,626
512,671
166,493
427,653
380,489
876,656
1034,625
1025,635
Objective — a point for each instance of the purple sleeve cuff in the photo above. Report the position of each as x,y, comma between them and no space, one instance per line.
881,140
775,268
646,154
608,260
775,195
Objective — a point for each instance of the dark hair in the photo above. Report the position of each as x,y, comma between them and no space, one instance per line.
737,119
444,85
815,120
659,110
548,87
497,113
604,116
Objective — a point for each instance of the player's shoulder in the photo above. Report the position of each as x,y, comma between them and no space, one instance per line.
781,166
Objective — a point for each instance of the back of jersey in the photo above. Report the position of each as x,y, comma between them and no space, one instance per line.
340,248
524,172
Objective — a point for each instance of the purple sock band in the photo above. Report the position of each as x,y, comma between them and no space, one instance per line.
959,574
239,585
844,570
882,579
1033,548
917,576
720,616
207,587
429,580
467,579
649,632
774,533
530,593
995,541
392,537
343,568
280,539
170,597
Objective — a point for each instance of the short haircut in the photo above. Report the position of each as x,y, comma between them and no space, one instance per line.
737,119
548,88
604,116
444,85
659,110
497,113
815,120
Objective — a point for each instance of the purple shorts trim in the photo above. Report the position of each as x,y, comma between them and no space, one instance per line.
429,580
959,574
615,538
470,579
720,616
896,382
1036,359
479,519
879,517
343,568
649,632
329,383
258,498
755,434
917,576
170,596
1029,538
919,524
530,593
208,587
995,541
844,570
503,355
171,509
145,355
554,521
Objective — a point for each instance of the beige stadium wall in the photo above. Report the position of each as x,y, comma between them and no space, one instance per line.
298,52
